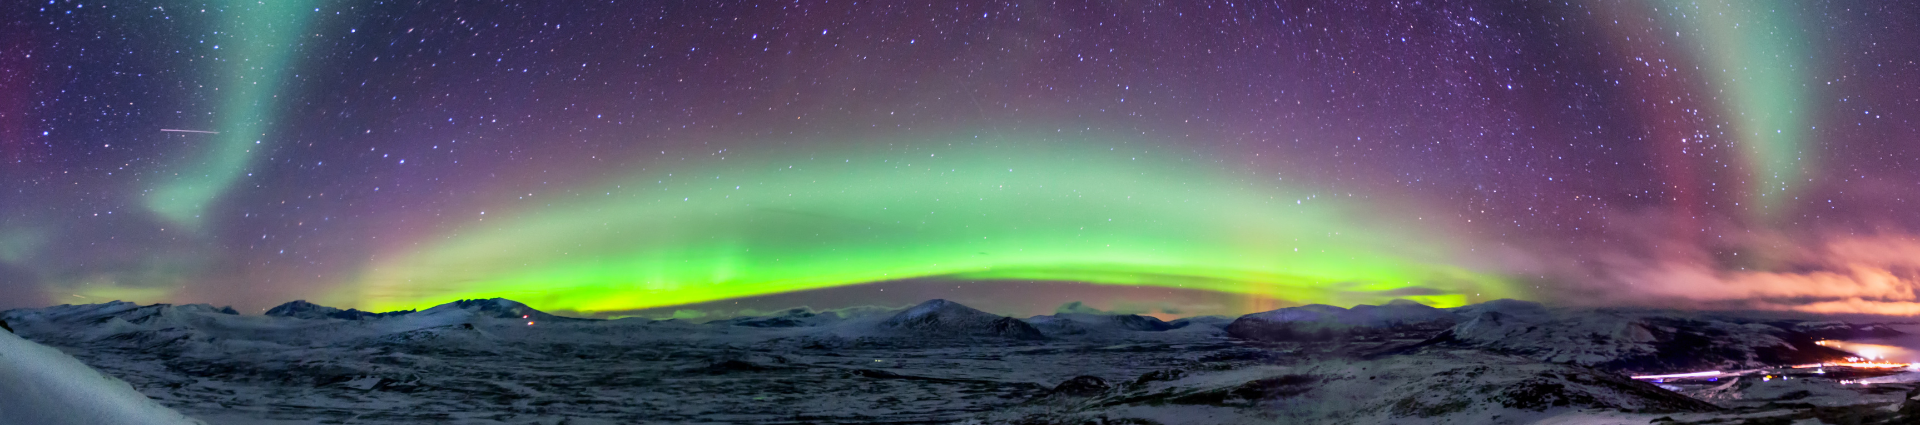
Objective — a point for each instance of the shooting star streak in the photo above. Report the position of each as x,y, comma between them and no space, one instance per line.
189,131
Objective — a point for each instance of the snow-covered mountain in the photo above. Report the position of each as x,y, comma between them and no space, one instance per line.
1843,330
942,318
1526,310
791,318
497,308
301,309
1320,322
1431,387
1060,324
1638,342
500,361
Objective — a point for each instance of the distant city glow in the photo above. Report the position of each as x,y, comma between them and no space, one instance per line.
1874,351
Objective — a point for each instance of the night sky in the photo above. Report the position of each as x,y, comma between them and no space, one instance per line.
703,158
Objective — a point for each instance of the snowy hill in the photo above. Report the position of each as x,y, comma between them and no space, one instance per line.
1219,323
40,385
942,318
498,308
1061,324
1843,330
1319,322
1511,307
797,317
1436,387
1638,342
301,309
496,361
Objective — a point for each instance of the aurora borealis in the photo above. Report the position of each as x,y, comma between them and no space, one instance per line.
616,157
725,227
260,37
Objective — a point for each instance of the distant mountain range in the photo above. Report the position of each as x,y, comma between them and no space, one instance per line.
941,361
933,318
1628,340
301,309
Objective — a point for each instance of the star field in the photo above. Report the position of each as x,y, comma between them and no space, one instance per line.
616,156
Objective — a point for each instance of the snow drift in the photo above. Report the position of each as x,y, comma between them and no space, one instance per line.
41,385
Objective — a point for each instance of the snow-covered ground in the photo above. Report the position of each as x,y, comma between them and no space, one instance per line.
41,385
498,361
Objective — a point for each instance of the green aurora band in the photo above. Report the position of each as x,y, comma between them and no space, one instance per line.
772,222
1754,51
260,38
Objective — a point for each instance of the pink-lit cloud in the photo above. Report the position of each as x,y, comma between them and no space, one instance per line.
1837,273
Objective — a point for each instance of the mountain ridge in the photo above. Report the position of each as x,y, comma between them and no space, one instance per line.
1500,360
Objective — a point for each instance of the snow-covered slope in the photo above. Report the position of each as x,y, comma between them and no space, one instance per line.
498,308
496,361
1526,310
942,318
1844,330
1063,324
1427,388
40,385
791,318
1639,342
1202,323
302,309
1319,322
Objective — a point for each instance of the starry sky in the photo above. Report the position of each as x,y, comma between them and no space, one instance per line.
696,159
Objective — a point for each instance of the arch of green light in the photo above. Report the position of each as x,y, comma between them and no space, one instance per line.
771,222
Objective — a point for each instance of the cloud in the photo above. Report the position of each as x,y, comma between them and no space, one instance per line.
1819,272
